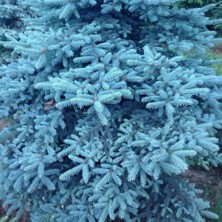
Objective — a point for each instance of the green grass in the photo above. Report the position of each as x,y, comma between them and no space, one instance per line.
213,190
217,66
215,198
215,54
213,193
6,219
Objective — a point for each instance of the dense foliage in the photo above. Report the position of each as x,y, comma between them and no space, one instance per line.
214,13
195,3
109,103
12,13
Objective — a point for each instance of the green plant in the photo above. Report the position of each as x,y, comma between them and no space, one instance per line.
213,191
216,59
7,219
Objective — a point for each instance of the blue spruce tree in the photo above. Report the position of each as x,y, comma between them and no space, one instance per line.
109,103
12,13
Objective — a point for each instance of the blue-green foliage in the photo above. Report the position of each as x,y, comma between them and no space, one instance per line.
214,13
12,13
109,103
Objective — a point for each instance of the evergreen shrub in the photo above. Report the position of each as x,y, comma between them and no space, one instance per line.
109,103
214,13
